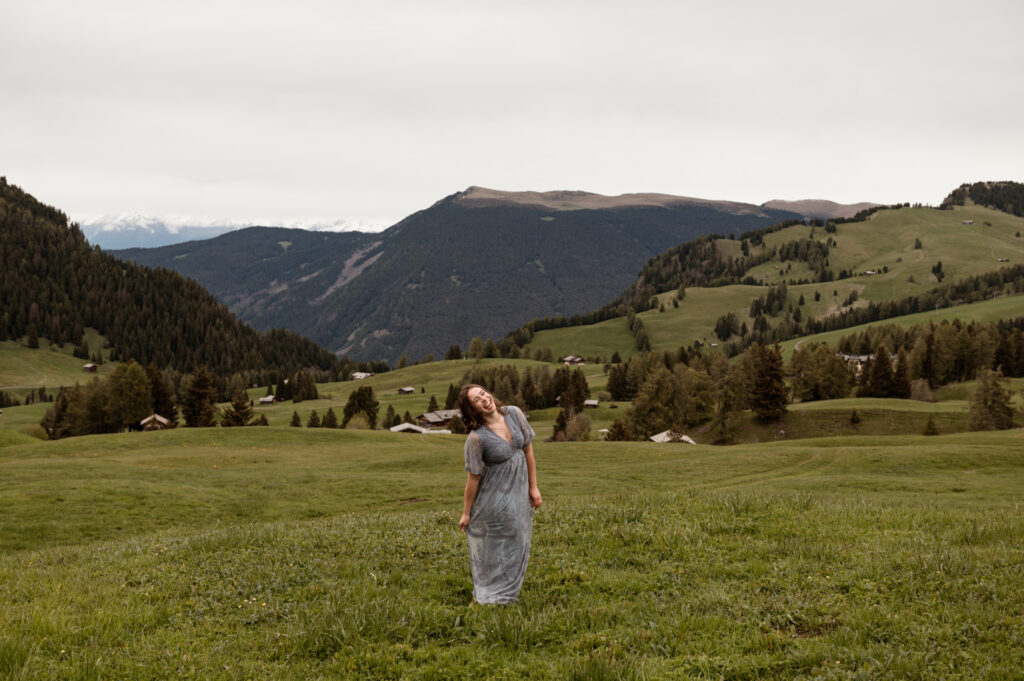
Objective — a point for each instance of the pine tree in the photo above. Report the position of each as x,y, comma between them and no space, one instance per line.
880,379
901,376
561,421
617,432
198,408
314,420
432,405
452,398
390,418
990,407
769,396
128,396
330,420
361,400
163,400
407,418
262,420
239,413
296,422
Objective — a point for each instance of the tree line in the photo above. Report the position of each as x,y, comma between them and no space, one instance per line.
1007,196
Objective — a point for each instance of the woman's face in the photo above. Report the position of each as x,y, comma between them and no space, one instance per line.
481,400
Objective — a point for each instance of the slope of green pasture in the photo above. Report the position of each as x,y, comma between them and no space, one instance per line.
843,558
592,340
14,418
886,240
427,379
23,368
1003,307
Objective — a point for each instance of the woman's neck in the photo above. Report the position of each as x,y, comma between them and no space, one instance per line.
492,418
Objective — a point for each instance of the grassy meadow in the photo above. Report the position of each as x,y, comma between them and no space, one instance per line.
294,554
427,379
886,240
23,369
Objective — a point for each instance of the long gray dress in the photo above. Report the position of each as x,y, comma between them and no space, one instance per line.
501,519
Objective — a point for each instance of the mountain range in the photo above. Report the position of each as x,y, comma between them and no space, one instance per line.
476,263
134,230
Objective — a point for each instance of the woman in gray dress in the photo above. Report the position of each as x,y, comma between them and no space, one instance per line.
501,493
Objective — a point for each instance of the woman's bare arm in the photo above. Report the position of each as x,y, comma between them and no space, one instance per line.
531,468
472,485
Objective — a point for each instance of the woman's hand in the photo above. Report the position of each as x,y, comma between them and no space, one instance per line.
535,499
464,521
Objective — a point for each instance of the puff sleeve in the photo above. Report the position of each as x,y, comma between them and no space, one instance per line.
524,426
474,455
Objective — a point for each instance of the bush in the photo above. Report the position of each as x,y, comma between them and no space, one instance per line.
578,428
854,416
35,431
929,428
920,391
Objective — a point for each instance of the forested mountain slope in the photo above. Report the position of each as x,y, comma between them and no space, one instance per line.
476,263
55,285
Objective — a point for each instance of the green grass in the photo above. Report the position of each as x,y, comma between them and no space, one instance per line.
50,366
1003,307
843,558
884,241
432,378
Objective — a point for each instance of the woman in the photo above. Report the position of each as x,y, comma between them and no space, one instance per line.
501,493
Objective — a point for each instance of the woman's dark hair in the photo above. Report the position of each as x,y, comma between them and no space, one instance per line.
470,416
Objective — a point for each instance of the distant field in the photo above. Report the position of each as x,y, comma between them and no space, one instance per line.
886,241
1003,307
427,379
276,553
22,368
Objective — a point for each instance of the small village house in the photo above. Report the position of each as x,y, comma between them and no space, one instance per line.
437,419
155,422
672,436
413,428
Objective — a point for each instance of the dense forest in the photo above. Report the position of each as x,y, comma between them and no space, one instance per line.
1005,196
56,285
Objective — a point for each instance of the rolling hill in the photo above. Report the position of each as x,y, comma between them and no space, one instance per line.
967,240
444,275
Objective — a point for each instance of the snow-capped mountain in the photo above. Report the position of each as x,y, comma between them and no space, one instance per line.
133,230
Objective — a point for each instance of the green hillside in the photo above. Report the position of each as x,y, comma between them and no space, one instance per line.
56,286
886,241
1004,307
276,553
50,366
431,280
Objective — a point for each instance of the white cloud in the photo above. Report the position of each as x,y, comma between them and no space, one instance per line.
295,111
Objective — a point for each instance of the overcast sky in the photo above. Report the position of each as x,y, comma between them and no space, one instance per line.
328,110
